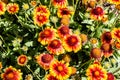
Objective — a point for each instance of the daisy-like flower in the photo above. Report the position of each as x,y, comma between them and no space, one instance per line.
96,72
12,8
116,34
110,76
64,11
94,42
2,8
47,35
11,74
55,47
22,60
50,77
59,3
116,2
45,60
66,58
60,70
29,77
72,43
97,13
107,49
65,20
33,3
63,31
117,45
41,10
25,6
96,53
40,19
83,38
106,37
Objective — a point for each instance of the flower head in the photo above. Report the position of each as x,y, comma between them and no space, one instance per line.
116,2
66,58
42,10
55,47
96,72
96,53
11,74
60,70
64,31
72,43
97,13
50,77
44,60
33,3
110,76
22,60
29,77
40,19
59,3
106,37
116,33
12,8
25,6
84,38
47,35
64,11
117,45
2,8
107,49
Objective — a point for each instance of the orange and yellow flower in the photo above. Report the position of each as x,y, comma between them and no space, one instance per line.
40,19
59,3
60,70
116,34
11,74
33,3
2,8
96,72
110,76
107,49
42,10
106,37
22,60
63,31
97,13
64,11
72,43
45,60
96,53
116,2
50,77
46,35
12,8
55,47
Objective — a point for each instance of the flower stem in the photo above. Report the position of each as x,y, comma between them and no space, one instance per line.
32,72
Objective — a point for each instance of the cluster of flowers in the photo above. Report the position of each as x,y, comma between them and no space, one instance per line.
60,40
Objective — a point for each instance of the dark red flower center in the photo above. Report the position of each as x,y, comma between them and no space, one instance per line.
46,34
1,7
97,11
47,58
13,8
116,0
72,40
107,37
55,44
41,18
64,11
64,30
96,73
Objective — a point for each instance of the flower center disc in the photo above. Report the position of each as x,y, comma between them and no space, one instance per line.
10,75
72,40
55,44
22,60
98,11
12,9
106,47
64,30
60,68
46,58
96,73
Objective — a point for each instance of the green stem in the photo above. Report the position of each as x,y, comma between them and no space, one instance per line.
32,72
49,4
116,70
76,6
103,60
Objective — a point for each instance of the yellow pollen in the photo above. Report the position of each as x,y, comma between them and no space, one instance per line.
96,73
60,68
10,75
